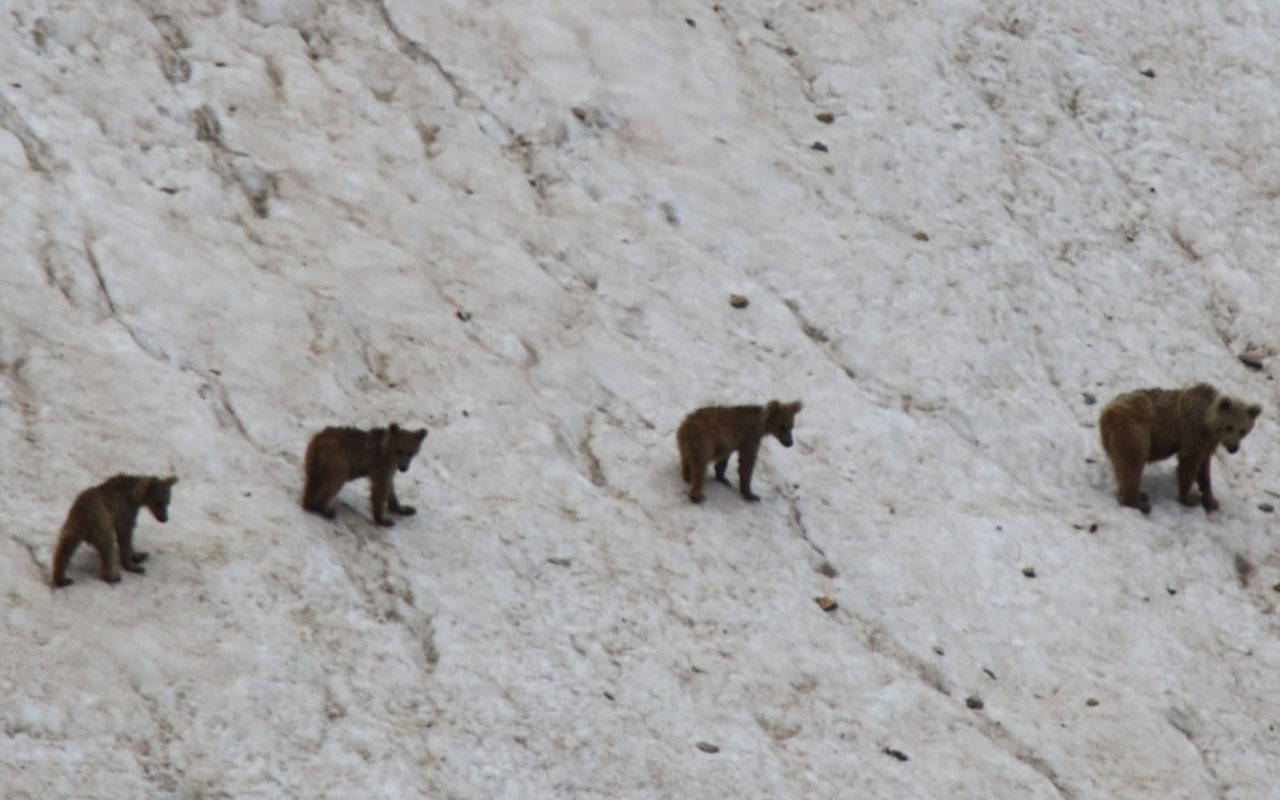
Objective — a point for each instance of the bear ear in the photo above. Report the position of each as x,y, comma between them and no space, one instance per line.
1224,403
421,434
771,408
171,480
795,406
384,441
393,429
1255,410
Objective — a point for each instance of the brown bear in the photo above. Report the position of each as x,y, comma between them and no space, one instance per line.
1152,424
338,455
711,434
104,516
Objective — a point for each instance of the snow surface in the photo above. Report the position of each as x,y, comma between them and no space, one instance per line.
226,225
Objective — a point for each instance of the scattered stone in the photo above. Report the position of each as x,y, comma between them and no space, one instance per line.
937,648
1266,508
1148,72
826,603
819,146
739,300
1252,359
463,315
669,213
608,696
708,747
559,562
1030,572
898,754
990,674
689,21
1276,588
1093,528
208,129
920,236
580,113
826,117
1091,702
1244,569
1171,590
974,702
1090,398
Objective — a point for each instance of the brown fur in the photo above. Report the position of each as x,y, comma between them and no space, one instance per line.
338,455
1149,425
711,434
104,516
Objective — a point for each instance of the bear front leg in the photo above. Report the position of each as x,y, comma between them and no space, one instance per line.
107,557
393,503
1189,467
379,488
746,464
721,466
129,560
1207,499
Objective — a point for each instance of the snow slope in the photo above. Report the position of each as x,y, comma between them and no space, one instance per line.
962,226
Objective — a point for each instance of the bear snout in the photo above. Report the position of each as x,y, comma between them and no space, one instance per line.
1231,448
405,467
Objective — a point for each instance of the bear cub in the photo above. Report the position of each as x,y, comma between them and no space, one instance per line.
104,516
338,455
1149,425
711,434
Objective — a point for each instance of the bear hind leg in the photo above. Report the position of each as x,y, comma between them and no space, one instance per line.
697,475
1129,481
62,559
319,491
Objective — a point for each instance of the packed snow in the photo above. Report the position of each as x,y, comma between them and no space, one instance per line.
961,227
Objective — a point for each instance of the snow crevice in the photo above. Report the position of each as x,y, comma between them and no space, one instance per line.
999,735
105,290
419,54
37,152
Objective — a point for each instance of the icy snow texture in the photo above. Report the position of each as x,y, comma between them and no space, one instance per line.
226,225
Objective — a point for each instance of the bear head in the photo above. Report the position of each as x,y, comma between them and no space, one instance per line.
780,418
1229,420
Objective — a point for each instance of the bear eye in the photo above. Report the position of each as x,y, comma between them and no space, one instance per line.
1231,429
